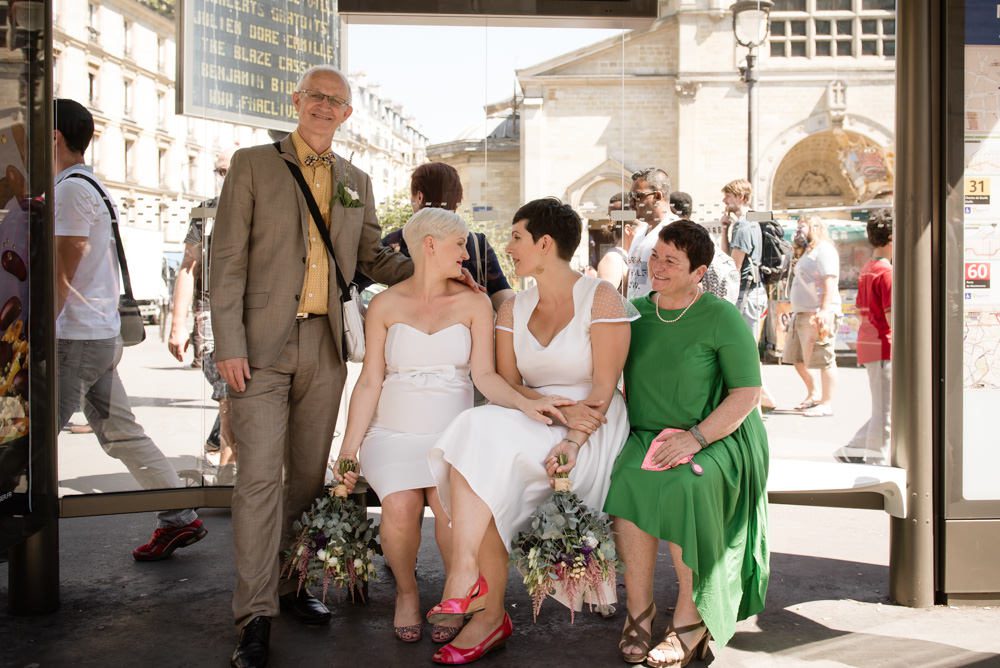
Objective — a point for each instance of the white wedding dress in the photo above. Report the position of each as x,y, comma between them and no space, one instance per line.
426,385
501,451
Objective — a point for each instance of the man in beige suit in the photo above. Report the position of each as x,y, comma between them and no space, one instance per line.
278,331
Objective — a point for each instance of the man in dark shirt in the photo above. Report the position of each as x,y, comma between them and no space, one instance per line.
437,184
482,264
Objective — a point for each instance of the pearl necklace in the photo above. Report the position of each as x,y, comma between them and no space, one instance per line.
656,303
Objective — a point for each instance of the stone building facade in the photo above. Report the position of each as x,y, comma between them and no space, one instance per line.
672,96
118,58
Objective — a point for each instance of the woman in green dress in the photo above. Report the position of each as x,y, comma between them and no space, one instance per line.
693,367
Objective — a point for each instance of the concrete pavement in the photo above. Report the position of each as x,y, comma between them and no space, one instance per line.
827,603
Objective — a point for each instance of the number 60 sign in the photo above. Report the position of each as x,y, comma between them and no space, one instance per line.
977,275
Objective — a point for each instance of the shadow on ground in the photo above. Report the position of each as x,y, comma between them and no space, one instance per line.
116,612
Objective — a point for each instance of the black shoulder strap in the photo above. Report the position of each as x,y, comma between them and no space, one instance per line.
122,263
317,217
345,294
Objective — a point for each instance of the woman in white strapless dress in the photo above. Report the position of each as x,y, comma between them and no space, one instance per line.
422,338
567,336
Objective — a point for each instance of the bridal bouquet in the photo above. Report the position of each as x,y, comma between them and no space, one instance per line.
336,542
569,552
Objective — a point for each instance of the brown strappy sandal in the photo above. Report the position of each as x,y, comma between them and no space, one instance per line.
635,635
681,653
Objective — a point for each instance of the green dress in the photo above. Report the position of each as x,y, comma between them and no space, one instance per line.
676,374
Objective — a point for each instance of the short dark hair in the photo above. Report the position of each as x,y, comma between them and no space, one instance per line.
692,239
74,123
880,227
655,177
550,216
680,203
439,183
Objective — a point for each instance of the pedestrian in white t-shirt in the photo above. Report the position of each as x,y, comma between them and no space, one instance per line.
815,298
88,326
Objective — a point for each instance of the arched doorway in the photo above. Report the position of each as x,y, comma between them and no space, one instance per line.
832,168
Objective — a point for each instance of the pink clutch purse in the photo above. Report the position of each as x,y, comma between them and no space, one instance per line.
647,462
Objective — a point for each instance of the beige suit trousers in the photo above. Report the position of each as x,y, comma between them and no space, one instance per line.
284,424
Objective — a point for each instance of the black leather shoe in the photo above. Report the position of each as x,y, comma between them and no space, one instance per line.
251,652
306,608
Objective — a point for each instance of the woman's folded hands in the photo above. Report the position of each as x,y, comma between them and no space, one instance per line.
546,408
584,416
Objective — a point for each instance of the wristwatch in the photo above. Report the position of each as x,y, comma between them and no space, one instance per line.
694,431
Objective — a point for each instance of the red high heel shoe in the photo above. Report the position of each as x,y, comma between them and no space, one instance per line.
453,607
455,656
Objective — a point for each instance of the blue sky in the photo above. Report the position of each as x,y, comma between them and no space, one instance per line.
443,75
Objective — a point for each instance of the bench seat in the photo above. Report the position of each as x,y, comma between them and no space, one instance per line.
813,483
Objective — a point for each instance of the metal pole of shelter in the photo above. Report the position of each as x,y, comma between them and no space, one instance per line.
34,563
751,78
917,200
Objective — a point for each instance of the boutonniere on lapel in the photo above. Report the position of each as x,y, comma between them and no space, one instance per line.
348,197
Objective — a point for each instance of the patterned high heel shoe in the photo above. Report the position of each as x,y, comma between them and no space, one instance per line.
636,636
674,652
454,656
463,607
412,633
442,634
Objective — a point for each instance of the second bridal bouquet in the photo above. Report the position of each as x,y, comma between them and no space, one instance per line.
568,553
335,542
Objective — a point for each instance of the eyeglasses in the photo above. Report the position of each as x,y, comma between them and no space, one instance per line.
318,97
222,171
639,195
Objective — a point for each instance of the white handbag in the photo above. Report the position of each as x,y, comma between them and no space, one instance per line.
354,324
353,313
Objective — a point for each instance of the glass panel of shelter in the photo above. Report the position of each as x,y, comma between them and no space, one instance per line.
164,168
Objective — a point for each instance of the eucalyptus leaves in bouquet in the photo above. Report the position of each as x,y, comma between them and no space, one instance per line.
335,542
568,552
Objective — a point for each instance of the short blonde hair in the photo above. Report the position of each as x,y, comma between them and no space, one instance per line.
431,222
740,188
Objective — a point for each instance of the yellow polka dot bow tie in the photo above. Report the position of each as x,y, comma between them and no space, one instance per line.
326,157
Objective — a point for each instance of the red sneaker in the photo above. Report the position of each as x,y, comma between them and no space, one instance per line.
167,539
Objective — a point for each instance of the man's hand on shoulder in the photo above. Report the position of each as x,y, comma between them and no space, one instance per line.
469,281
235,371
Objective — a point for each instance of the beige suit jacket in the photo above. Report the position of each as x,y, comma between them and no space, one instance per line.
259,248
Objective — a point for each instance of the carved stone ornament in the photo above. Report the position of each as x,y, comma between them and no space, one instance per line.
836,102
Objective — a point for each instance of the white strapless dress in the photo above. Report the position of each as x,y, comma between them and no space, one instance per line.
426,385
501,451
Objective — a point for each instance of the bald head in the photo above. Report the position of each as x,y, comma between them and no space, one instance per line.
323,71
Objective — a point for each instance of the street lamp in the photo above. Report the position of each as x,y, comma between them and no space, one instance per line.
751,24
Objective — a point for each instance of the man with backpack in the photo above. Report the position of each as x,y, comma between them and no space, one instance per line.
743,241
